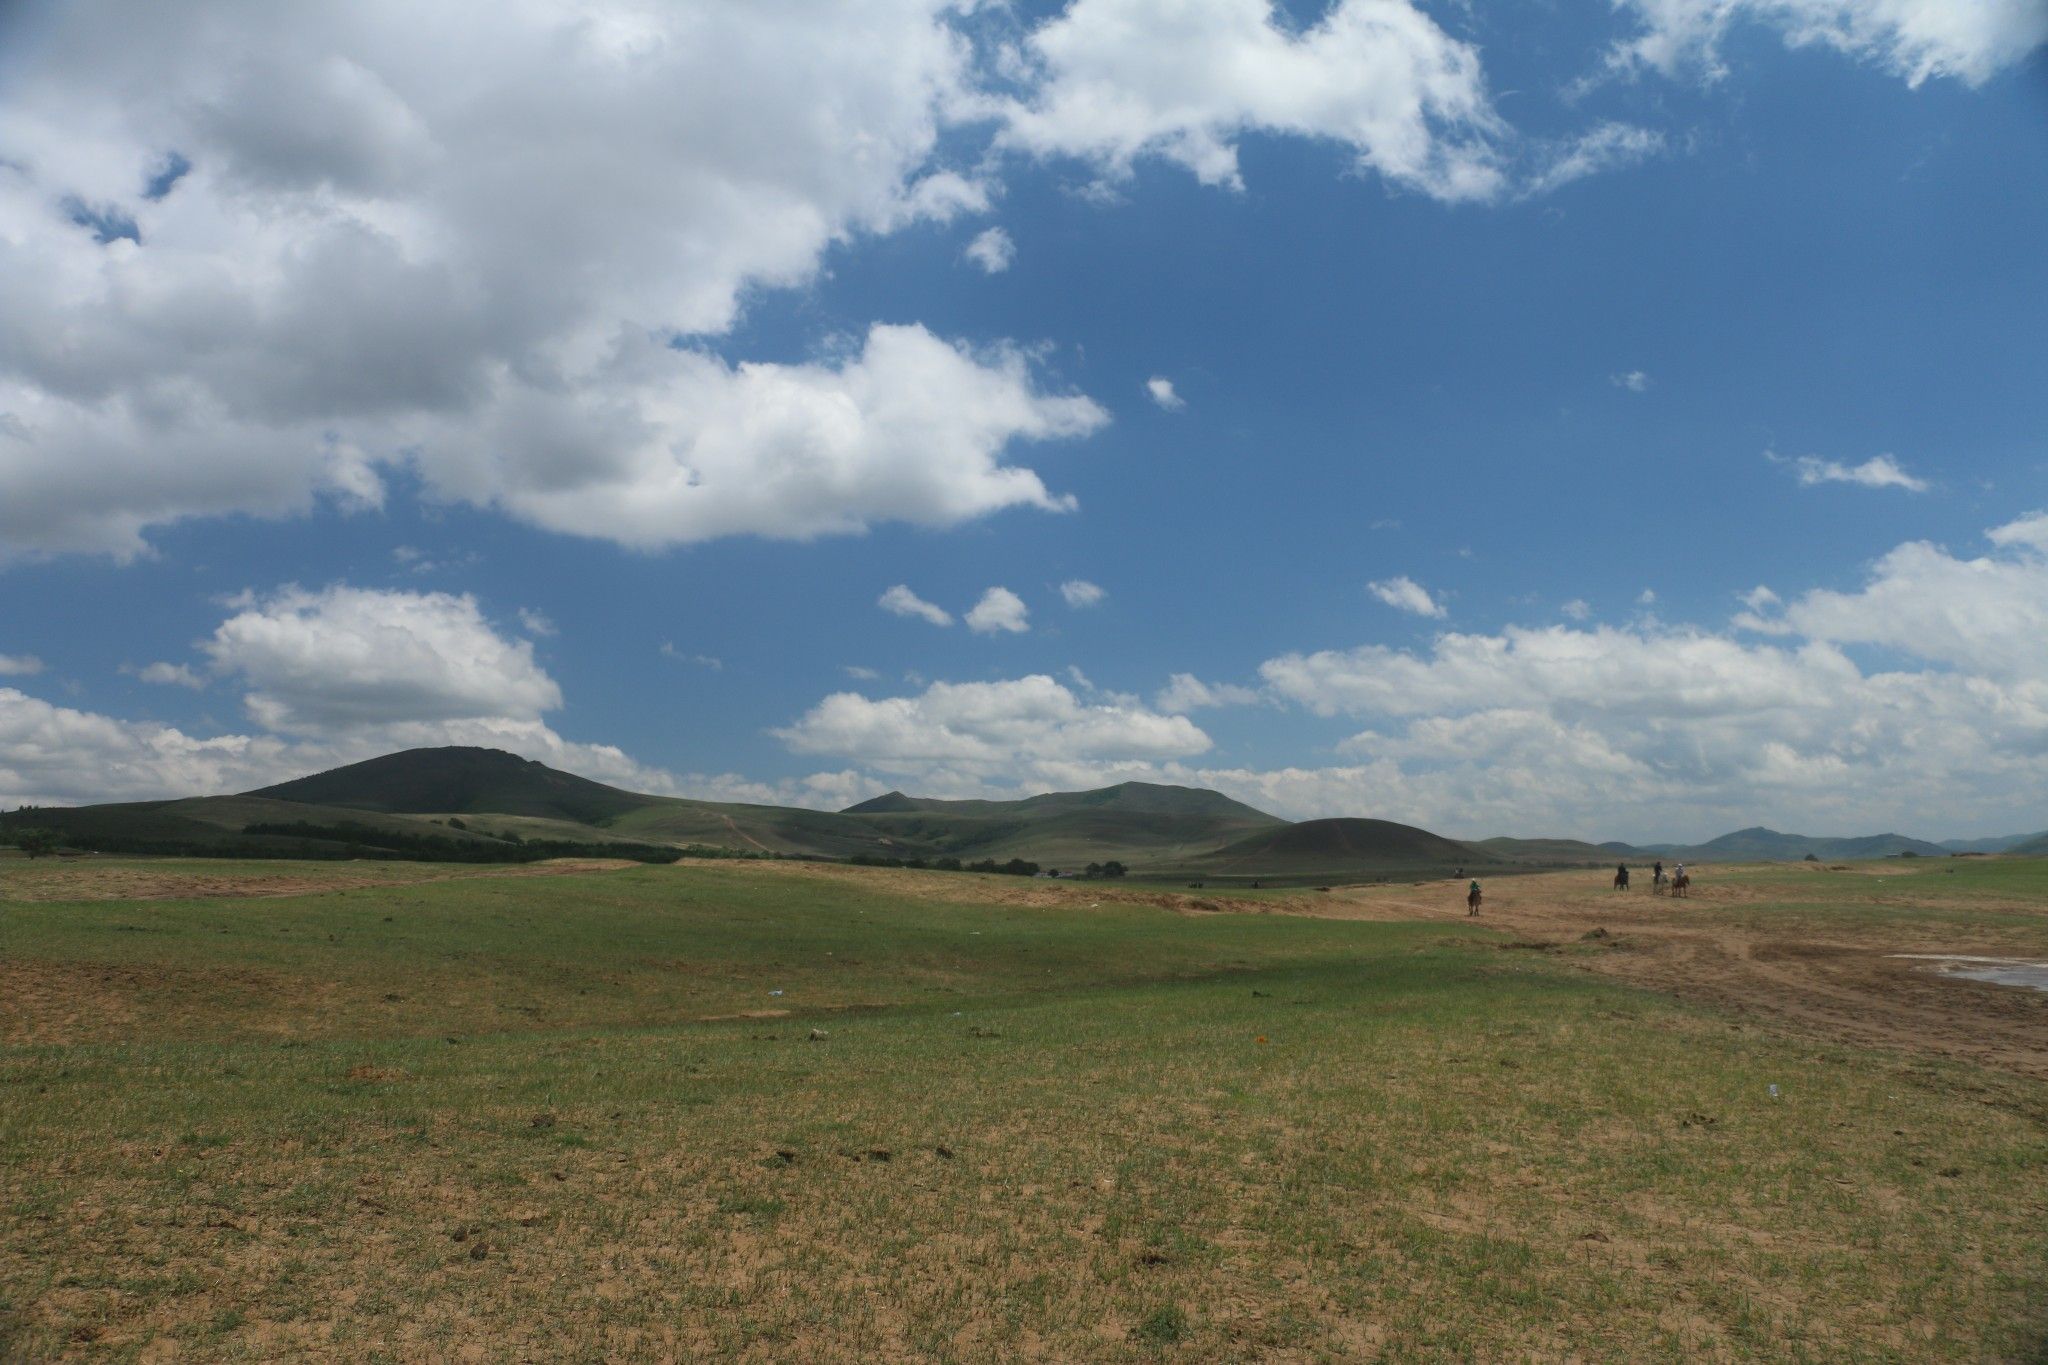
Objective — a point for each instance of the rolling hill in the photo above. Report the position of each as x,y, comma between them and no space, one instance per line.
1758,843
474,802
1343,847
460,780
1132,823
1555,852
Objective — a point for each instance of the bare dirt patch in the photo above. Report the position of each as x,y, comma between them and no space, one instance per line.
1827,984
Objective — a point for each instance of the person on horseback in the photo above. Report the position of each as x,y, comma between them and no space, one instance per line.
1621,876
1472,899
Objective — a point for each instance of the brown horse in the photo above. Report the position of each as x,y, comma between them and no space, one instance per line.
1681,885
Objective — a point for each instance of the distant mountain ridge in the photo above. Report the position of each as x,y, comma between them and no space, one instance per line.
479,796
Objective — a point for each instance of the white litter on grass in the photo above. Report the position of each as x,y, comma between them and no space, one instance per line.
775,992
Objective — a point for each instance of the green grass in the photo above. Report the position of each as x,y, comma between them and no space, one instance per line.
1116,1133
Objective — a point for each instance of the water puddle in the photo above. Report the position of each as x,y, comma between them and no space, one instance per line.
2000,971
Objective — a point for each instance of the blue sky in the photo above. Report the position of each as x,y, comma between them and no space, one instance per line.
592,404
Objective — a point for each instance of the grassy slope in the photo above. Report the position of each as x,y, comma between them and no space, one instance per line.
1340,849
460,779
1237,1134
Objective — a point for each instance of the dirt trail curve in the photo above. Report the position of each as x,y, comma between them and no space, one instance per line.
1836,984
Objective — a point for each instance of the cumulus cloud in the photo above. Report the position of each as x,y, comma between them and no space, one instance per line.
171,675
992,250
1880,471
1161,391
19,665
1670,732
1114,80
344,658
334,677
536,623
1577,609
364,263
972,734
1185,692
1405,594
1986,617
999,610
1079,592
901,601
1916,39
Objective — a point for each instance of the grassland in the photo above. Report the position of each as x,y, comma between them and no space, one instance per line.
254,1111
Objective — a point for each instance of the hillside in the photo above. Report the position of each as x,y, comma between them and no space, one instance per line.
1758,843
1555,852
460,780
1132,823
1343,847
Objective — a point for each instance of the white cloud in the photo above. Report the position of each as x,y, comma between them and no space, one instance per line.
992,250
1606,147
1185,79
171,675
1577,609
1635,381
1161,390
710,661
862,674
377,260
340,659
336,677
1971,40
1987,617
1647,597
1880,471
2030,531
536,623
1671,732
1185,692
1405,594
19,665
999,610
1760,598
962,734
1079,592
901,601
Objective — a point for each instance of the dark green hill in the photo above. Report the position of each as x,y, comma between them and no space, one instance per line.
1333,848
460,781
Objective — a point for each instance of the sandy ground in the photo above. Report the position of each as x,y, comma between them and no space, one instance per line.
1841,986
